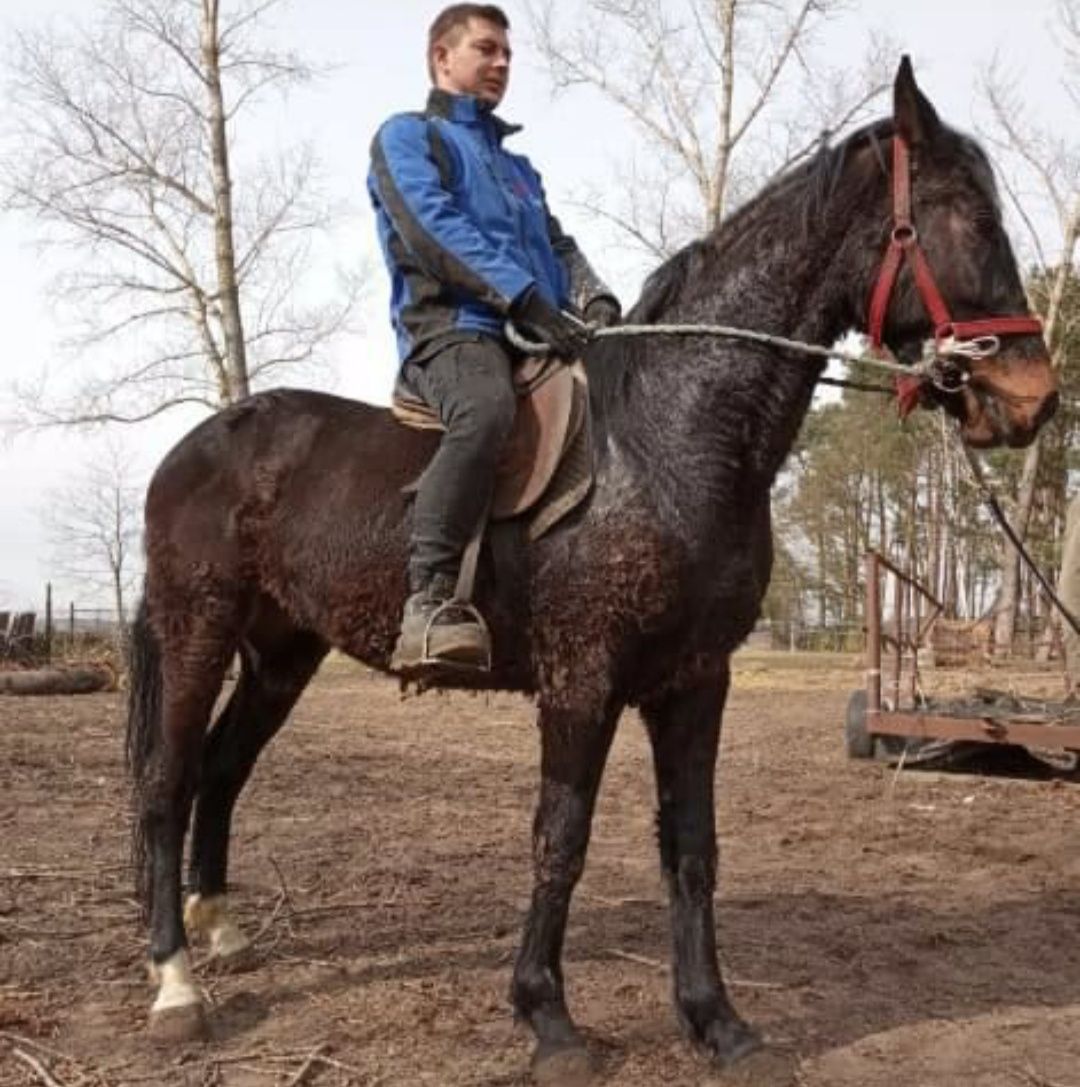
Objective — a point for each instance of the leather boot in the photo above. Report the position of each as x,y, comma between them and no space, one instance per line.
436,631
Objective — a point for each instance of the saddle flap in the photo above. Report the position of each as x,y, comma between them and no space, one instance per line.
532,452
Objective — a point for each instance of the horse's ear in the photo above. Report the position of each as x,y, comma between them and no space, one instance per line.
916,120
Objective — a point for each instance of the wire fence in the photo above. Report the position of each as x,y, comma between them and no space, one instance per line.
57,634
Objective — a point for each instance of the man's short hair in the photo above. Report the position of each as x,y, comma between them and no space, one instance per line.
452,20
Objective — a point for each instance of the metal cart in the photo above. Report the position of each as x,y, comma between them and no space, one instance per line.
885,721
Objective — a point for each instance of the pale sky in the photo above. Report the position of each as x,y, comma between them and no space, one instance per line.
377,49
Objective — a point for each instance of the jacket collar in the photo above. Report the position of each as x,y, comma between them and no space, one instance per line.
465,109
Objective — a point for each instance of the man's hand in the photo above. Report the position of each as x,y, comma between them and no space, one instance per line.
603,311
537,319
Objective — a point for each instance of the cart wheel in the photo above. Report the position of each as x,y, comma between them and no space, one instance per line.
859,742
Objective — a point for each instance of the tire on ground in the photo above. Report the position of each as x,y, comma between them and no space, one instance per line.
858,742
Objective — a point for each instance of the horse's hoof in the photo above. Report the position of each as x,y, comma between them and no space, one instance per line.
731,1042
562,1066
179,1026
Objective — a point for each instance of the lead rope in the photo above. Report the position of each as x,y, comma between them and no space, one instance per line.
994,506
927,369
532,347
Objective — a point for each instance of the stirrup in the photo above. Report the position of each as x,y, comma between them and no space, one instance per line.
429,661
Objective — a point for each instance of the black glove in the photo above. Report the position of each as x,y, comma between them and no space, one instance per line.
603,311
537,319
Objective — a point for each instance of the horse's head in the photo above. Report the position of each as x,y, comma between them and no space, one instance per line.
949,275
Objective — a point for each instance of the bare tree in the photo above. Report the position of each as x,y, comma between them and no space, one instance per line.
123,144
1042,182
702,82
92,524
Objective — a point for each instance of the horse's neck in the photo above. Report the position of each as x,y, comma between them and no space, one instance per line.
734,406
776,282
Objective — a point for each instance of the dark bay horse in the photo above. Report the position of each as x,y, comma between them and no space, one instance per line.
278,529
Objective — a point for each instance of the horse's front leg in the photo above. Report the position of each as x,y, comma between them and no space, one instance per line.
574,750
684,728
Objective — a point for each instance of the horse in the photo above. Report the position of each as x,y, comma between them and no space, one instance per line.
278,527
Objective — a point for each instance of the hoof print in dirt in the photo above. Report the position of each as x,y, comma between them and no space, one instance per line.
239,1014
239,962
567,1066
763,1067
179,1026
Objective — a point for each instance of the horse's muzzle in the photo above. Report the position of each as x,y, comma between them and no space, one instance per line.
1007,403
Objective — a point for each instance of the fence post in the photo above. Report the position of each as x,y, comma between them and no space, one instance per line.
48,622
71,622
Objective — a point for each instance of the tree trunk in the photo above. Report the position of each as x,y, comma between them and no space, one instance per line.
717,196
225,255
823,602
118,601
933,485
1009,596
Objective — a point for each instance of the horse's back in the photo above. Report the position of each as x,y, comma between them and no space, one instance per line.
287,435
269,489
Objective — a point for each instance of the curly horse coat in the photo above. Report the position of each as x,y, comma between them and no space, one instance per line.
277,529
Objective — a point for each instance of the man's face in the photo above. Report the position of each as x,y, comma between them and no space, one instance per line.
477,63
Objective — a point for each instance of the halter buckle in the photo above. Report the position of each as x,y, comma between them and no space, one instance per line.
978,347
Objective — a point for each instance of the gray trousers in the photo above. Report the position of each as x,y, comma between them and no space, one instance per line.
1069,590
470,385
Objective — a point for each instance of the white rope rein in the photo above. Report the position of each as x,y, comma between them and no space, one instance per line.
967,350
753,336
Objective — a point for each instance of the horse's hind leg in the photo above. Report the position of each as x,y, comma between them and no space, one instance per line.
193,656
684,728
574,748
273,676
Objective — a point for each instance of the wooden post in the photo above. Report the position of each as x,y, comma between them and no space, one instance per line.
898,645
48,622
71,622
916,628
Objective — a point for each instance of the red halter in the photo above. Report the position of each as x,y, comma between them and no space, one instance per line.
904,242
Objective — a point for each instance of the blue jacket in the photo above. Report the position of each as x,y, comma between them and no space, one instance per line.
465,227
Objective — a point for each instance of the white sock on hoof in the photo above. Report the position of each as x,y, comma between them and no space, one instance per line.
210,918
177,984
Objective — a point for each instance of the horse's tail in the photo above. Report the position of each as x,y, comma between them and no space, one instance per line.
143,738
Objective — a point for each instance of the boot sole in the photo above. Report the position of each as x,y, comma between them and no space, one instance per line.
465,650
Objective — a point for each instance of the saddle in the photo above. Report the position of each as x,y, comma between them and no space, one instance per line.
546,466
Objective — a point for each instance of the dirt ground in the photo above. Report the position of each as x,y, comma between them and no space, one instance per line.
883,929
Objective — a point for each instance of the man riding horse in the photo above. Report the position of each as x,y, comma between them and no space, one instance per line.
469,241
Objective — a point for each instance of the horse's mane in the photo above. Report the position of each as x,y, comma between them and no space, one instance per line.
791,202
807,190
